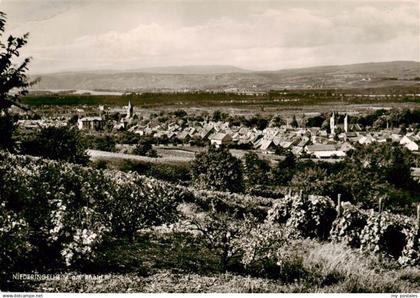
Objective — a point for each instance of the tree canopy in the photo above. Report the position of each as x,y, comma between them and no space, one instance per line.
218,170
14,81
256,170
58,143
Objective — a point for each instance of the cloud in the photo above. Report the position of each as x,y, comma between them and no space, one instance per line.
271,38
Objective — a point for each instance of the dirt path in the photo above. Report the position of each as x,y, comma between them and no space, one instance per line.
167,155
97,154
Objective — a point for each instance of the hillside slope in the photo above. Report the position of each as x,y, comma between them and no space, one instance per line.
366,75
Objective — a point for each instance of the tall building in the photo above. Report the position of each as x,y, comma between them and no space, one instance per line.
346,123
332,124
129,110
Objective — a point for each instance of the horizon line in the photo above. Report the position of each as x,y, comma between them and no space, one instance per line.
105,70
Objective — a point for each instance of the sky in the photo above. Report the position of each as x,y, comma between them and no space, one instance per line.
69,35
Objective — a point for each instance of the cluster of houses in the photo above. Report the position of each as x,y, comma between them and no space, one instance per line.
333,142
35,124
98,122
320,143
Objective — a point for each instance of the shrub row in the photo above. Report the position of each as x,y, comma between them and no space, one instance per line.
237,205
316,217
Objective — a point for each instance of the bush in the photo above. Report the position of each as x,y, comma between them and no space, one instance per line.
128,137
392,235
243,241
280,211
236,205
259,244
348,226
138,203
176,173
304,216
387,234
14,240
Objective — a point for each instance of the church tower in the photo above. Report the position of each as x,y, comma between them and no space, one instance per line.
332,124
129,110
346,127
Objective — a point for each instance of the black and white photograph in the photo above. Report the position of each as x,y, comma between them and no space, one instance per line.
209,146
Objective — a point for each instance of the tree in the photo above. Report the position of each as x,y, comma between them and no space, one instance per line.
58,143
219,116
277,121
255,170
368,120
145,147
356,184
312,181
217,169
257,121
315,121
294,122
380,123
390,161
7,127
180,113
12,76
285,169
73,120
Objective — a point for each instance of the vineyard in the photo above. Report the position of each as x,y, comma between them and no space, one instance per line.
60,217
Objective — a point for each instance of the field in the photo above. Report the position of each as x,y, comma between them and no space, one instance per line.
272,99
167,155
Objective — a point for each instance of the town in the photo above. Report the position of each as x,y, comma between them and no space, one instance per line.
312,135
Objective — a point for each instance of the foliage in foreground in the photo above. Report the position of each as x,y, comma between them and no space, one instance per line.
390,235
57,213
323,267
13,77
61,214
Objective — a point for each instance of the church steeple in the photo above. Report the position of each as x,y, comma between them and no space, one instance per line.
346,128
129,110
332,124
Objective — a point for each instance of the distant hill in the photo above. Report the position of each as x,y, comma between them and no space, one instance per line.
192,69
220,77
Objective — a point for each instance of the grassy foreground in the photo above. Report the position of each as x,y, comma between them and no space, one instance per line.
178,263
